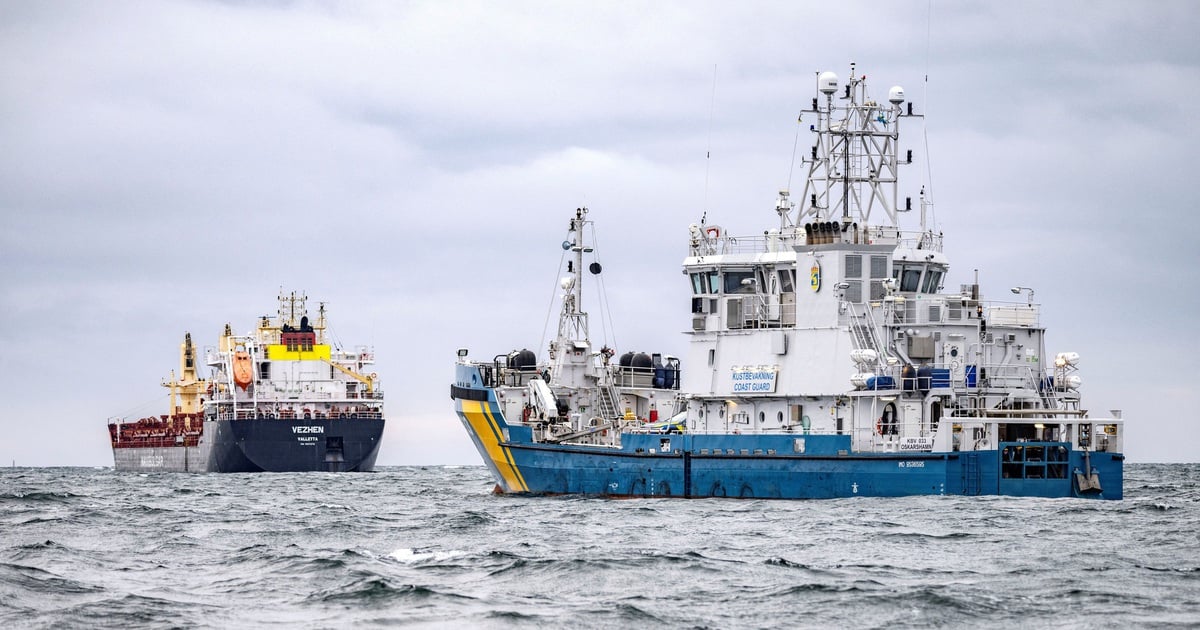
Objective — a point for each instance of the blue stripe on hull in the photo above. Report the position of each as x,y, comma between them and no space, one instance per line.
558,470
777,466
555,470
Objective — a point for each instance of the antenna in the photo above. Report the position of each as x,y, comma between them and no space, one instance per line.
712,106
795,145
924,126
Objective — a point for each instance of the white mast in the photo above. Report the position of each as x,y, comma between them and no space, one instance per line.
570,351
853,167
573,323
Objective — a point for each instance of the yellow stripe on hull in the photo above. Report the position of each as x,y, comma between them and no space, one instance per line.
479,417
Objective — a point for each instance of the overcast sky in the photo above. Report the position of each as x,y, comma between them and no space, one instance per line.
168,166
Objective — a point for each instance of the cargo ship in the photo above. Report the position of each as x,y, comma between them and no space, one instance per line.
281,399
865,377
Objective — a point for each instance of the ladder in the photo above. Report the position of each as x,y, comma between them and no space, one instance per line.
863,332
608,402
971,474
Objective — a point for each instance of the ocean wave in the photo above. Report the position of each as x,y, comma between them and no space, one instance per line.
376,590
33,580
407,555
37,496
430,546
36,520
135,610
467,519
40,550
1183,569
622,613
859,586
928,536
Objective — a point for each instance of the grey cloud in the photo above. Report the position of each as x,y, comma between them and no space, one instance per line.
168,166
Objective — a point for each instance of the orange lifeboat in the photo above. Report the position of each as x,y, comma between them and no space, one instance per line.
243,369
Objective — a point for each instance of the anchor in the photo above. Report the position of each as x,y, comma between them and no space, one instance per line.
1087,482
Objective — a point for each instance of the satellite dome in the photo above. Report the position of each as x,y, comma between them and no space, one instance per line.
896,95
827,82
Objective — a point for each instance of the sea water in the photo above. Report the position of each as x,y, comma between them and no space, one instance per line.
434,547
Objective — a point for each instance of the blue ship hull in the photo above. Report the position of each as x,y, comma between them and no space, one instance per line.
772,466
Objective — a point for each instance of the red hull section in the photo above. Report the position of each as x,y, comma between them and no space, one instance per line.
176,430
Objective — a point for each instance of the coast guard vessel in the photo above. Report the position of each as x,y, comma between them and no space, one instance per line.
826,359
281,399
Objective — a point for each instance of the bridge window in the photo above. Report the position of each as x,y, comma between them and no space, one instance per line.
740,282
705,282
910,279
932,280
786,281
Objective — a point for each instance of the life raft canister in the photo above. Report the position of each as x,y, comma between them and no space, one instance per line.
243,369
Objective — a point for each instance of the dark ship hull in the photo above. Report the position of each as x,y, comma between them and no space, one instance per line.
263,445
270,445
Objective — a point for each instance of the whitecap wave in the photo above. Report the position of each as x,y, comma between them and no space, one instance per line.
411,556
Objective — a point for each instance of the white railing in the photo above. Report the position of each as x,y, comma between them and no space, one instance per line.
290,398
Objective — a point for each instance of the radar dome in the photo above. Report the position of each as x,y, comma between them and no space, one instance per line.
641,360
524,360
827,82
896,95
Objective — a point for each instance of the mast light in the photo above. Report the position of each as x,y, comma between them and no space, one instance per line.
1018,290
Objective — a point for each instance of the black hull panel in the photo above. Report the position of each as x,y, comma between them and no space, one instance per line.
266,445
274,445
